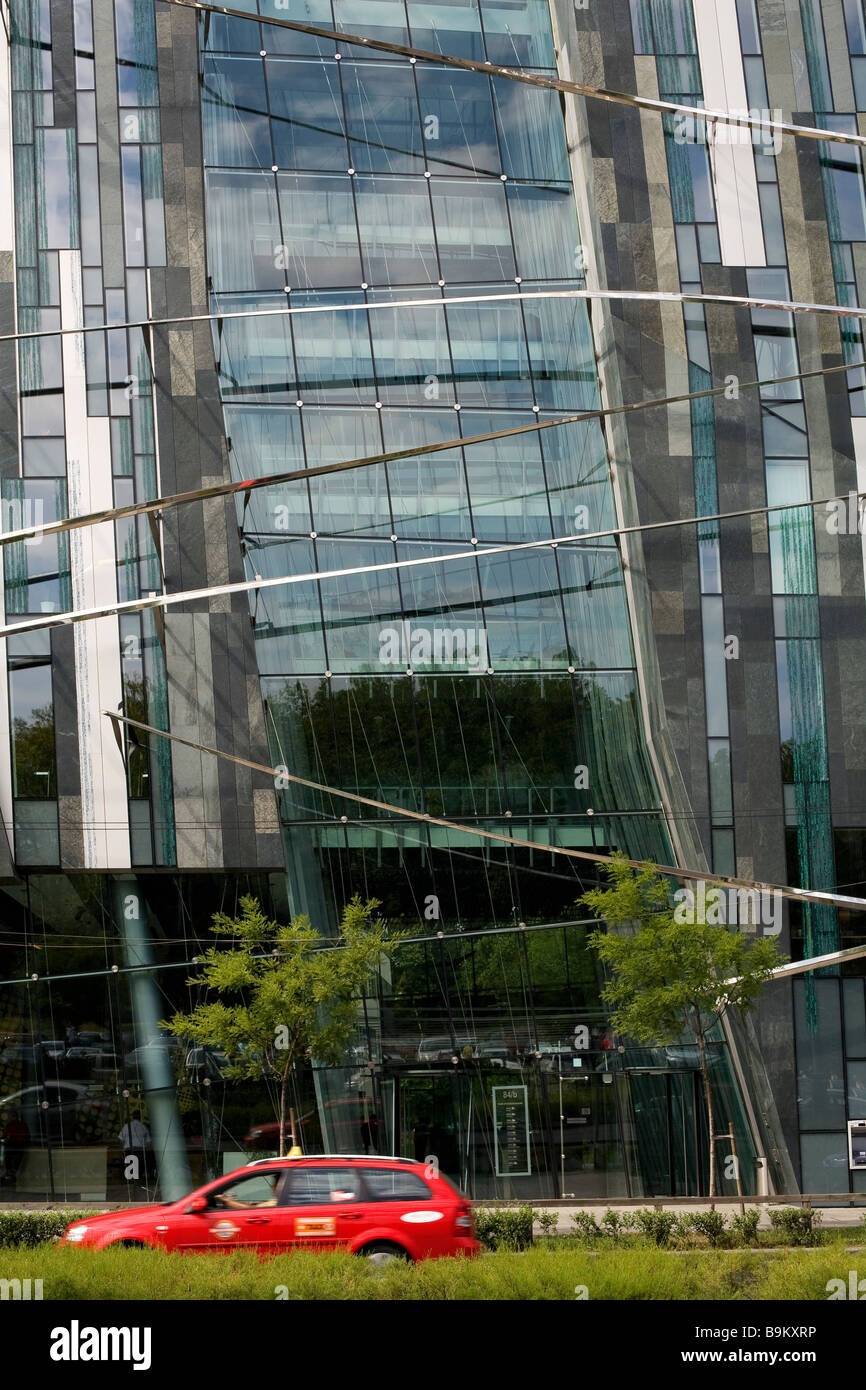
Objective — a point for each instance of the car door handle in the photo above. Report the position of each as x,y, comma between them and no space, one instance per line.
258,1220
351,1215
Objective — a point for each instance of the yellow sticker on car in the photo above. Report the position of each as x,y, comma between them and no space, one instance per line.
315,1226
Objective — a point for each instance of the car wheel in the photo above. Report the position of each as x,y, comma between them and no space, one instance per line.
383,1252
127,1245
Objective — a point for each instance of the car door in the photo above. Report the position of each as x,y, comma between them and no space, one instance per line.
243,1213
324,1206
401,1203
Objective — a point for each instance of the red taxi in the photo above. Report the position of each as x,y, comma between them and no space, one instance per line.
383,1208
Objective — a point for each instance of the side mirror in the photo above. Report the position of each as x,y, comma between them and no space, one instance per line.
197,1204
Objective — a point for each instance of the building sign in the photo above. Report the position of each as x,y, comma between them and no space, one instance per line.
857,1143
511,1131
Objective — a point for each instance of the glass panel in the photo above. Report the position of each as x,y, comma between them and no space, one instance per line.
820,1089
546,234
376,19
321,234
396,228
489,353
413,364
382,116
715,667
857,1090
31,704
532,132
243,232
234,113
561,353
472,231
855,1018
825,1162
333,354
518,33
457,117
449,26
307,114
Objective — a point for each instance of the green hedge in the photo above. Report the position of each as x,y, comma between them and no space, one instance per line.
504,1228
31,1228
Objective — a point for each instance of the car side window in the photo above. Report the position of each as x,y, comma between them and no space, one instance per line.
312,1187
394,1185
257,1190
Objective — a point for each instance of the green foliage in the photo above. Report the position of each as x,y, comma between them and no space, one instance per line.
657,1226
504,1228
585,1225
744,1225
614,1224
548,1221
711,1225
798,1224
283,992
667,973
616,1273
31,1228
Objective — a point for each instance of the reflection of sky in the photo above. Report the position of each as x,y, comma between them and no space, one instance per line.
30,689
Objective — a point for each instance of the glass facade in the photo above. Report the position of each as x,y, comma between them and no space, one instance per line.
419,223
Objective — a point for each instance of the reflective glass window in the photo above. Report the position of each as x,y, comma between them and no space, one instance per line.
317,12
457,118
546,234
472,231
333,354
31,704
374,19
489,351
532,132
561,352
321,234
428,494
518,33
235,122
243,231
307,114
410,346
448,26
396,226
382,116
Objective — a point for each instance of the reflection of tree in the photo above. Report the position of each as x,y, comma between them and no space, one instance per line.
33,745
479,976
135,696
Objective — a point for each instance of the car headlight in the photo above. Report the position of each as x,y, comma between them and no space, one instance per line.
76,1233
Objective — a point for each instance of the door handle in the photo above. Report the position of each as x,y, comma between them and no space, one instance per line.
351,1215
258,1220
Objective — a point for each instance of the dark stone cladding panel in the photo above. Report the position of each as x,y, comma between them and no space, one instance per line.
8,373
62,63
193,451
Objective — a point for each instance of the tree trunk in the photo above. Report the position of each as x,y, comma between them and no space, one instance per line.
284,1086
705,1073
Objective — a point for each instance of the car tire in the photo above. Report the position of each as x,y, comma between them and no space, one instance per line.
128,1245
384,1252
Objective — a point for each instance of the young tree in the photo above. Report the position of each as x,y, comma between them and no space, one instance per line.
284,992
667,975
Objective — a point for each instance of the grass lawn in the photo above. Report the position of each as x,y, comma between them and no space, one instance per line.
539,1273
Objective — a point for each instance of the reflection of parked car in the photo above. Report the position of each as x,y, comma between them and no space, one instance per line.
51,1112
442,1049
208,1062
496,1054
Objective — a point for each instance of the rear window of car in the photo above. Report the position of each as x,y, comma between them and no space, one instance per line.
395,1185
